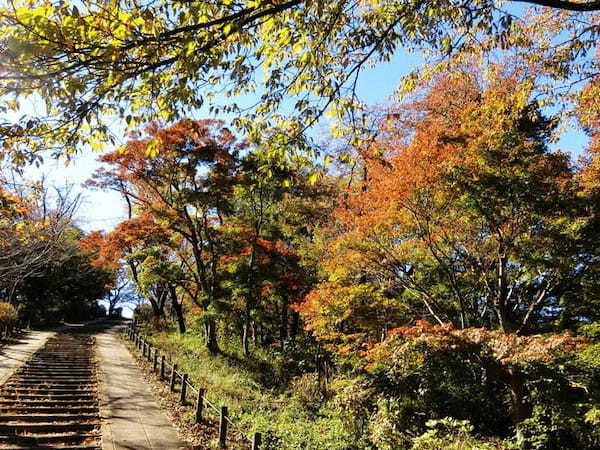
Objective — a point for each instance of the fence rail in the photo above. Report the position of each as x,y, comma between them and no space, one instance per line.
151,354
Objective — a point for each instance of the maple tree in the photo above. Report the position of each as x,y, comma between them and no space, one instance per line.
127,246
459,370
462,218
260,265
182,178
271,219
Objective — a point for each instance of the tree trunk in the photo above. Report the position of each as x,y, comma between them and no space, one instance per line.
246,332
502,288
178,309
210,331
520,409
283,327
295,327
155,308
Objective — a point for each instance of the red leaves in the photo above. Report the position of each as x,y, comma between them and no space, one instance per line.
110,248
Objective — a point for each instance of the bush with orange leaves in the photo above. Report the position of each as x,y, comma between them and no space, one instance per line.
506,348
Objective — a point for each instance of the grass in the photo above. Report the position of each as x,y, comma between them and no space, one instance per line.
257,392
262,396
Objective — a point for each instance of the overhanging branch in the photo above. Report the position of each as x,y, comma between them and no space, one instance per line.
566,5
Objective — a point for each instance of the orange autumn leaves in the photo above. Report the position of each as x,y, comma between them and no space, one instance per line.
589,117
506,348
110,248
460,195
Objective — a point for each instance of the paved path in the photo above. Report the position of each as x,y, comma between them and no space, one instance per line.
15,353
131,418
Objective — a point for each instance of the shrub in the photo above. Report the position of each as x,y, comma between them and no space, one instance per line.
452,434
143,314
388,428
356,399
495,380
307,389
8,314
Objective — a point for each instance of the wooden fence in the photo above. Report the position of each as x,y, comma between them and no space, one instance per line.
164,368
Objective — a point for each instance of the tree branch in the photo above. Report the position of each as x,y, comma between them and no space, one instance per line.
566,5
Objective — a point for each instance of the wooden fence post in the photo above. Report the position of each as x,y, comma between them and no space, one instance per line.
257,441
150,352
155,362
162,367
200,405
223,427
184,380
173,375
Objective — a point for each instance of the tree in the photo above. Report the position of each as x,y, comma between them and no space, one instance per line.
44,272
160,60
465,217
129,245
211,229
585,299
263,270
121,294
435,370
182,179
68,288
32,232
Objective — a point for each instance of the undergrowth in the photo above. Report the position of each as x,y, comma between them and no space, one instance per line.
287,410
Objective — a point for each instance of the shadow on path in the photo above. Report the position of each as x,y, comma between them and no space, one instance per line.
132,419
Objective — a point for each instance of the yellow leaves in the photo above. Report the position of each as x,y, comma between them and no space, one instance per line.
298,47
13,105
313,178
190,48
446,44
97,145
153,148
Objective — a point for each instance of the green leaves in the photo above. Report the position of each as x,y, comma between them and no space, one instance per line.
165,59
